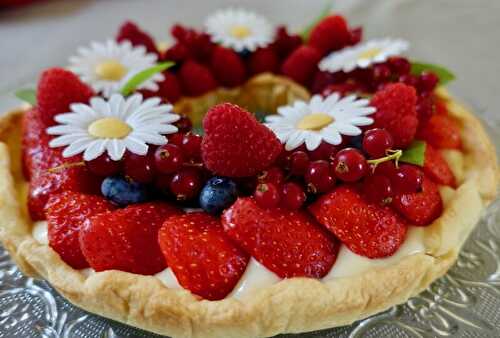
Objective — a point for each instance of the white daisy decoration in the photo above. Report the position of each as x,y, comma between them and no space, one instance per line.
362,55
113,126
239,29
107,66
320,120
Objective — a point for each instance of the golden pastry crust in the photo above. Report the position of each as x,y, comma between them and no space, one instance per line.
293,305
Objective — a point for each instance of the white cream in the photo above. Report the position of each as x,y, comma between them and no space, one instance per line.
168,279
40,232
256,276
349,264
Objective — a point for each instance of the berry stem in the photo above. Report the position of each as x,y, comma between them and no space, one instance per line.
66,166
391,155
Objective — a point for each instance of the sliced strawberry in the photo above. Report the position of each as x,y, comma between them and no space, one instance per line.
201,256
45,184
420,208
289,243
436,168
441,131
66,213
126,239
33,140
235,143
57,89
366,228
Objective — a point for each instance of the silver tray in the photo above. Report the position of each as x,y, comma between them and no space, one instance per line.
464,303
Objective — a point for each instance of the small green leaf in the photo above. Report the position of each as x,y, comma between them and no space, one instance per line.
27,95
324,13
414,154
444,74
136,80
198,130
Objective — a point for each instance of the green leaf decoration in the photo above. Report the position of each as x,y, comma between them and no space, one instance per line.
136,80
324,13
414,154
445,75
198,130
27,95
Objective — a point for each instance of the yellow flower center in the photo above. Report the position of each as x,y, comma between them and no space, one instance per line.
109,127
110,70
369,53
240,32
316,121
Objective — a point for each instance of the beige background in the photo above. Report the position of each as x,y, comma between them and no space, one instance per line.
464,35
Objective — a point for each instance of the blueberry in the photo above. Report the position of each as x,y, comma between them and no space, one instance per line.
218,194
124,192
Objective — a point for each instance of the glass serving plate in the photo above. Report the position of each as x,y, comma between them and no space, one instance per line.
464,303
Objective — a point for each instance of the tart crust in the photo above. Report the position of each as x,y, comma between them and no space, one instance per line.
290,306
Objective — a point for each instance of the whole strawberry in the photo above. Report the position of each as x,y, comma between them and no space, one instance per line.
396,112
227,67
289,243
131,32
66,213
57,89
436,168
235,143
330,34
302,64
126,239
34,141
366,228
420,208
202,258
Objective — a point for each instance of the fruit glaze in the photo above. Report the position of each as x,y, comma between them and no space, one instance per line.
323,187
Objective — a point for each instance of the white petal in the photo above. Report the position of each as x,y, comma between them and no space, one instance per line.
150,138
65,140
295,140
63,129
116,149
94,150
313,140
77,147
332,136
136,145
347,129
361,121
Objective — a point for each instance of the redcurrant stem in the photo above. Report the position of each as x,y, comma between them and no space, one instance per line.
66,166
391,155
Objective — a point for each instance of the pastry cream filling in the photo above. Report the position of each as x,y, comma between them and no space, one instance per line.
256,276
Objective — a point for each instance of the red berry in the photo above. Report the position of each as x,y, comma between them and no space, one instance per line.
227,67
399,65
263,60
285,43
292,196
426,108
267,195
168,159
385,168
191,145
331,33
325,151
184,124
273,175
299,161
176,139
409,80
427,81
378,189
349,165
131,32
381,73
140,168
302,64
356,35
436,168
441,131
196,79
376,142
104,166
319,177
186,184
407,179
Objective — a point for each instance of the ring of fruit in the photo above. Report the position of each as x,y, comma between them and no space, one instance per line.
332,179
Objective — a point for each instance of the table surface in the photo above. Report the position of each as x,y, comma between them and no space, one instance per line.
464,35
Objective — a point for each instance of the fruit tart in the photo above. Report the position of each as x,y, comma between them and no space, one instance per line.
244,181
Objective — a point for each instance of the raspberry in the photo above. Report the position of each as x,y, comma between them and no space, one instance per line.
66,214
227,67
218,264
57,89
198,44
263,60
131,32
396,112
285,43
235,143
289,243
302,64
170,89
329,34
196,79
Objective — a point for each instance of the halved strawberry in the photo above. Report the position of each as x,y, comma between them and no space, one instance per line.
201,256
45,184
34,140
366,228
420,208
441,131
66,213
436,168
289,243
126,239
